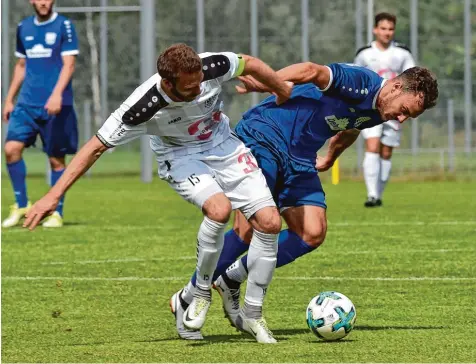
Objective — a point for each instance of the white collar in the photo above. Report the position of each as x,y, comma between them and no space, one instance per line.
50,20
374,102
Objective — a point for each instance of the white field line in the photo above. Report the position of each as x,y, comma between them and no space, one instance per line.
330,225
298,278
192,257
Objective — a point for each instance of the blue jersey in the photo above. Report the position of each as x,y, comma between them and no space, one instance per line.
43,45
302,125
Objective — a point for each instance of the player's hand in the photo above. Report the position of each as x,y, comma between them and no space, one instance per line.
323,164
250,84
7,110
42,208
284,95
53,105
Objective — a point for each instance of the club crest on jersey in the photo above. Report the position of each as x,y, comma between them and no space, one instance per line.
50,38
335,123
361,120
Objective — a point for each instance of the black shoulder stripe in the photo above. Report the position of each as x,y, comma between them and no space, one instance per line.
215,66
145,108
401,45
362,48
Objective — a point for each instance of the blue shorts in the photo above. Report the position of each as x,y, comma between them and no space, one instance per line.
59,133
291,183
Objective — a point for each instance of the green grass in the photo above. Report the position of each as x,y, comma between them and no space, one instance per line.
118,228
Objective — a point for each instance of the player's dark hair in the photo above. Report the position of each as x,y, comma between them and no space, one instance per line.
419,80
178,58
385,16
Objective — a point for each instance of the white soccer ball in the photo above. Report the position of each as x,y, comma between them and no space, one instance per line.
330,315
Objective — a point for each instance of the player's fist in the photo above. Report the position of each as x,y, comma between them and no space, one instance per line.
53,105
7,110
323,164
250,84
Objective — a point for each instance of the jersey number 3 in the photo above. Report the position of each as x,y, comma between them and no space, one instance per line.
250,162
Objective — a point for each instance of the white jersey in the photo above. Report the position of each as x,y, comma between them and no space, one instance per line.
388,63
176,128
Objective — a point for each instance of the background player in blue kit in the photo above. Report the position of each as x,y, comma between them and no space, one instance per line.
46,47
333,102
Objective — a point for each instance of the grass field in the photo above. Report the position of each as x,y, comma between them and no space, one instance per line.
98,289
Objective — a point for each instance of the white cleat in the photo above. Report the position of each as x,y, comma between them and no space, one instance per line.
16,214
230,299
196,313
53,221
178,306
258,328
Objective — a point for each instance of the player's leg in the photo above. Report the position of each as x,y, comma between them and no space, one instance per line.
194,181
60,137
390,139
21,133
371,163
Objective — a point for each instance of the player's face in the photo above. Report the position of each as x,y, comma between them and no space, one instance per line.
384,31
43,8
401,106
187,86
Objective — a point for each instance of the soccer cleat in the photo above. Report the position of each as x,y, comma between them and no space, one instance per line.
230,298
16,214
258,328
177,307
53,221
373,202
196,313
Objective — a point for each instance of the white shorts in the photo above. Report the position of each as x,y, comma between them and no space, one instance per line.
229,168
388,132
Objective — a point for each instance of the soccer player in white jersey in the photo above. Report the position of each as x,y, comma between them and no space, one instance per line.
203,161
46,48
388,58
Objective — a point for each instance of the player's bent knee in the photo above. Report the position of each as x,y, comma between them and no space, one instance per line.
217,208
57,163
316,234
13,151
267,220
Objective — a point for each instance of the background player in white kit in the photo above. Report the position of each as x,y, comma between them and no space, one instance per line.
388,59
203,161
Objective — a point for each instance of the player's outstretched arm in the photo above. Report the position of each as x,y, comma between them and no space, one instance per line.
337,144
264,74
83,160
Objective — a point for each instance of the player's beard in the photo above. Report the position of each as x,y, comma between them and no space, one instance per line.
385,105
181,97
43,17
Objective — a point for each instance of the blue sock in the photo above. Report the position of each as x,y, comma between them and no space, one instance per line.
17,172
232,249
290,247
55,175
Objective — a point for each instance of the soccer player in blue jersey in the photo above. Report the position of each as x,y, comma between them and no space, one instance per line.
46,47
332,102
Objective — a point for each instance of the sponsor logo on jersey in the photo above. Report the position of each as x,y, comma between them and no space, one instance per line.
361,120
335,123
50,38
176,120
29,38
209,103
38,51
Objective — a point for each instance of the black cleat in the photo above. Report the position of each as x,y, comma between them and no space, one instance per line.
373,202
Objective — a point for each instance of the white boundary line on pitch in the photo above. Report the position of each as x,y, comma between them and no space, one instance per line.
192,257
382,279
330,224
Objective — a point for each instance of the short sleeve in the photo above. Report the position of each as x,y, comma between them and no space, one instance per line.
221,66
20,48
69,40
352,82
408,61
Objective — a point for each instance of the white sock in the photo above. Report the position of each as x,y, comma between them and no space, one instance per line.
188,291
385,168
261,265
211,236
237,271
372,173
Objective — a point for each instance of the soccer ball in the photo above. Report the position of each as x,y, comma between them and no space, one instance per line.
330,315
